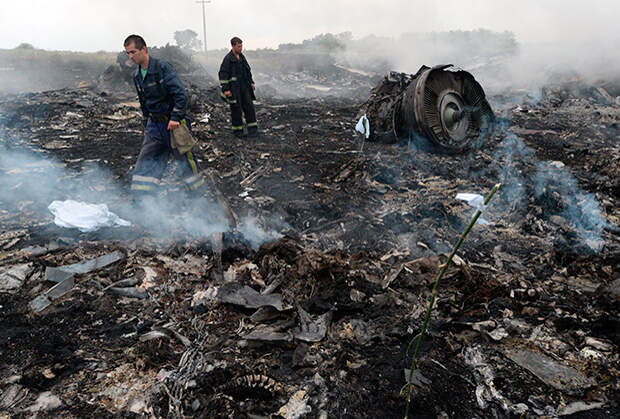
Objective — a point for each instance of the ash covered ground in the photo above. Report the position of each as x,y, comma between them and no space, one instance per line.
308,308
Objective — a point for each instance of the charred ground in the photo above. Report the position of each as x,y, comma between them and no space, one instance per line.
362,236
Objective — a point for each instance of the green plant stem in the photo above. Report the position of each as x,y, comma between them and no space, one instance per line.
441,273
356,163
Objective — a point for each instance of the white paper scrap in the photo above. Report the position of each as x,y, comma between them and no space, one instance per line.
476,201
205,118
363,126
83,216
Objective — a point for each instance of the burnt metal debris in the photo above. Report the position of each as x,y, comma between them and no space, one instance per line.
64,279
443,104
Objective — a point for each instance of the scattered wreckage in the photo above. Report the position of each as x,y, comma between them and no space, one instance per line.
314,319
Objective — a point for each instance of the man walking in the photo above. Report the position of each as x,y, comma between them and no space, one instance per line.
163,102
238,89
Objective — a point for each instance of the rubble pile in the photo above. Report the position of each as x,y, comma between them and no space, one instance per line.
119,76
312,74
316,321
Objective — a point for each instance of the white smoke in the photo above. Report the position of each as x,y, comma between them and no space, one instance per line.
36,179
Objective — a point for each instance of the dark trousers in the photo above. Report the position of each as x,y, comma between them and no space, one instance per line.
153,159
244,104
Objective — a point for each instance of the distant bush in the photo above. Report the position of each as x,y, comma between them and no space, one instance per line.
325,42
24,45
188,39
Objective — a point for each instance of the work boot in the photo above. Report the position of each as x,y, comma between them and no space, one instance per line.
253,131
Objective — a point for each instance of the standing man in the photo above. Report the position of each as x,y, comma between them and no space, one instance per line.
238,89
163,102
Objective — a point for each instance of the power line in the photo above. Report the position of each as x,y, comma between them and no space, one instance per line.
204,21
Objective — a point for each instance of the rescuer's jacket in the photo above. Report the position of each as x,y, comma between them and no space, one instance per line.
161,93
162,98
235,74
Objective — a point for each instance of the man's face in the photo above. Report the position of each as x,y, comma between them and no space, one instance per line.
238,47
138,56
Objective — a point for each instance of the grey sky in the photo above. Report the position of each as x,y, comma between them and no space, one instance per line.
102,24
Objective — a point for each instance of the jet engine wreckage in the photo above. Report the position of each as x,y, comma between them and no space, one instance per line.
443,104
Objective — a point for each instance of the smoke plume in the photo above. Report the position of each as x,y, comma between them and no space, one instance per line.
31,179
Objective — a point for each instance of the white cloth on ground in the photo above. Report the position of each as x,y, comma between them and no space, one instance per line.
363,126
83,216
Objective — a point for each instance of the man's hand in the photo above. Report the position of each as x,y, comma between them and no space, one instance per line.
228,93
253,86
172,125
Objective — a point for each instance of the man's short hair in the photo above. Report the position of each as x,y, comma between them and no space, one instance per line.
236,40
137,40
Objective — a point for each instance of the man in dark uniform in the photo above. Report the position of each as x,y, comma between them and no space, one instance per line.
163,101
238,89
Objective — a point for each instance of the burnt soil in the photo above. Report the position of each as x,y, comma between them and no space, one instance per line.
361,235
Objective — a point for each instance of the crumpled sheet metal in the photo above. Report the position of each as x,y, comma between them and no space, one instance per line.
484,375
57,274
12,277
45,300
269,334
249,297
312,328
63,276
551,372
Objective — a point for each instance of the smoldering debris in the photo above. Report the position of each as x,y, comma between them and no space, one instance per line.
314,316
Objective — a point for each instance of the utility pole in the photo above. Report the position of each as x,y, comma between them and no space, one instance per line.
204,22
